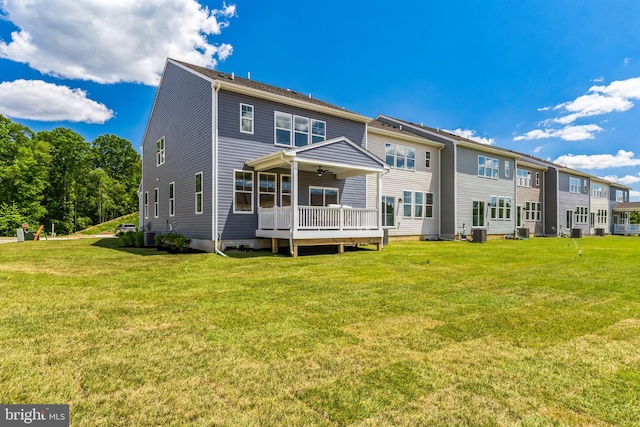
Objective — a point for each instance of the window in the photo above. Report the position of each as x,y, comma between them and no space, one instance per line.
500,208
318,131
619,196
538,210
537,179
301,131
283,129
601,218
596,190
427,159
400,157
533,211
172,199
507,166
198,193
418,204
569,219
407,204
156,203
478,214
524,178
507,208
321,196
581,215
243,192
285,190
146,204
388,211
267,190
493,210
428,205
488,167
586,190
160,152
574,185
246,118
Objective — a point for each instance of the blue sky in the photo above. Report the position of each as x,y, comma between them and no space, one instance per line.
558,80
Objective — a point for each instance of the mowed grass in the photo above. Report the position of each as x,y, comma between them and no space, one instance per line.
504,333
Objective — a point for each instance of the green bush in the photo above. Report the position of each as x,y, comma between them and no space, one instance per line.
173,242
132,239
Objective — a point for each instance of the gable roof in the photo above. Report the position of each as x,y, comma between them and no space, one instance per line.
376,126
627,207
235,83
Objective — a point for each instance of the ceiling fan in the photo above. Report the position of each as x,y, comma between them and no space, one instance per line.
321,171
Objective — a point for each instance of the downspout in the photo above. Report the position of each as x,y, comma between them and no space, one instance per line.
440,192
214,166
455,188
515,200
293,217
544,203
141,190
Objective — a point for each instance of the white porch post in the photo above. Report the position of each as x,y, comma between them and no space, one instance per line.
294,196
379,199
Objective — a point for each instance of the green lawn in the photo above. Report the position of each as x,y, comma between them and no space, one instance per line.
422,333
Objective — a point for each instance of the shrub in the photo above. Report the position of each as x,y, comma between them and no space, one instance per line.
132,239
173,242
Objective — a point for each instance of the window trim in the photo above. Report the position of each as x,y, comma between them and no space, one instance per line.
161,152
146,205
282,193
253,189
405,157
427,159
507,168
251,120
494,168
481,214
573,187
427,204
275,129
385,213
156,202
523,177
296,132
199,193
537,179
324,195
275,189
312,135
172,199
404,203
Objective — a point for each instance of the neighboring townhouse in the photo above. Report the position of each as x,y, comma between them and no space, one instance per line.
572,200
411,188
599,206
530,179
621,209
229,161
477,183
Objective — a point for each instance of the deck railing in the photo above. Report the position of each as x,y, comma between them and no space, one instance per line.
318,218
626,228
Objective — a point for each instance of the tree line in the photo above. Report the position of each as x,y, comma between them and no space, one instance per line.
57,178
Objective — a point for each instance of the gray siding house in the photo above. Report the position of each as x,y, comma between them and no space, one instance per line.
229,161
477,182
573,201
621,208
530,206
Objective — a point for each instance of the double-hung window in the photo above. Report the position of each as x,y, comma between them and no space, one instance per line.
301,131
574,185
418,204
318,131
146,205
267,189
199,203
488,167
243,192
172,199
524,178
581,214
283,128
285,190
428,205
596,190
500,208
160,157
407,203
400,157
322,196
537,179
156,203
507,167
246,118
427,159
619,196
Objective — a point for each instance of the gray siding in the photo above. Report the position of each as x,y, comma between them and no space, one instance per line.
472,188
551,224
182,115
264,120
341,152
531,194
448,191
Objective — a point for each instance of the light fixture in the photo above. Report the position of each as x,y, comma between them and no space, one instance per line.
399,200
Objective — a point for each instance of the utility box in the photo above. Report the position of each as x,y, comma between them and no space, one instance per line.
385,236
599,231
479,235
524,232
20,234
149,239
576,233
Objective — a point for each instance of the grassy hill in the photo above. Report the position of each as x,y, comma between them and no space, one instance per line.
109,226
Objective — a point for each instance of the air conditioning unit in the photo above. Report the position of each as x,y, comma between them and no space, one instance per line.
479,235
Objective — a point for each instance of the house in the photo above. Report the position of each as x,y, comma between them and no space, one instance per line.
567,199
477,189
230,162
530,184
411,188
621,209
599,206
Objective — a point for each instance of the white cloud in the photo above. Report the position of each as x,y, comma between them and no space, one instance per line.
38,100
598,80
538,149
471,134
593,104
567,133
115,40
598,161
626,180
634,194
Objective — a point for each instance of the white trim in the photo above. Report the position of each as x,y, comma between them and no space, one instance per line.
172,200
404,136
290,193
324,195
196,193
275,189
161,153
308,133
253,189
156,202
425,159
324,137
145,204
252,119
404,203
275,129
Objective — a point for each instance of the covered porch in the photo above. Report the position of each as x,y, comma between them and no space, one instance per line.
321,217
622,217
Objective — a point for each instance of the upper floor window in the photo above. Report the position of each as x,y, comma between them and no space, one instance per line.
246,118
507,166
586,190
400,157
537,179
427,159
488,167
160,152
297,130
596,191
574,185
524,178
619,196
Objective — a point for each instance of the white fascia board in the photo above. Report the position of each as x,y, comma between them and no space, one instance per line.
410,138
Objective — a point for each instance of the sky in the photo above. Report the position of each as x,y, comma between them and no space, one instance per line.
557,80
